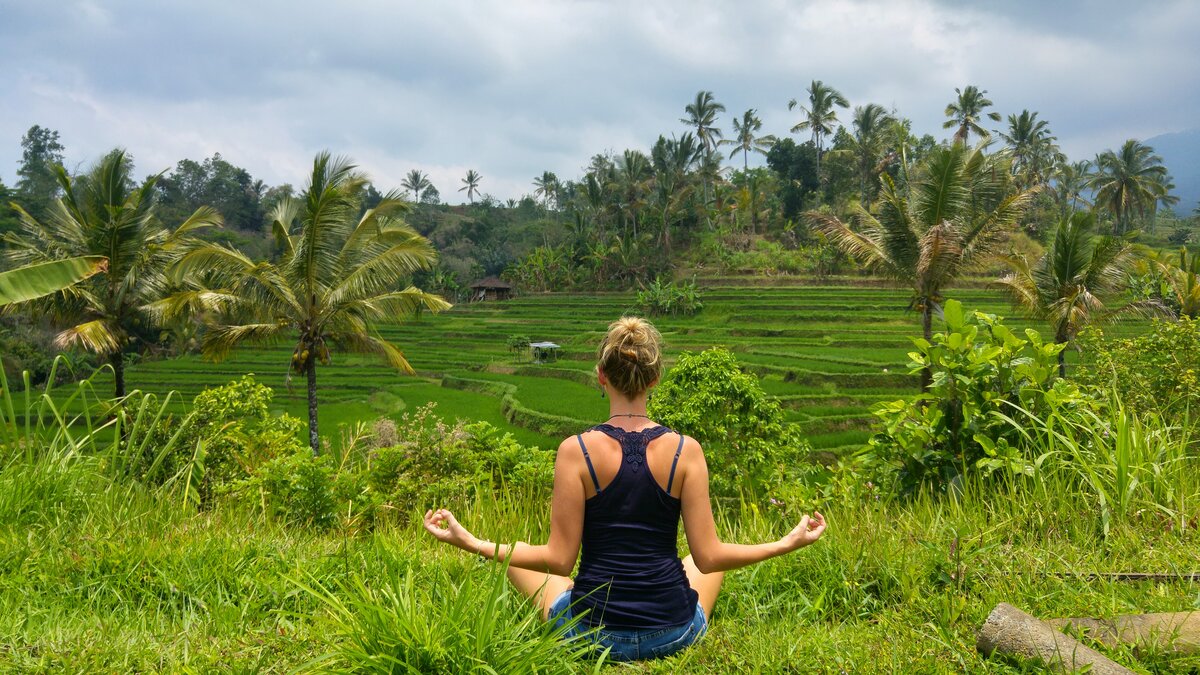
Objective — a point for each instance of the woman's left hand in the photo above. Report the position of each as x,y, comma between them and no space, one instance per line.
445,527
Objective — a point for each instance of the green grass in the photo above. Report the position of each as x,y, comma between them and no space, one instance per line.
103,576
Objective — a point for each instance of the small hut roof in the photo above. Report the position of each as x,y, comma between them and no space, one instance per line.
543,345
490,282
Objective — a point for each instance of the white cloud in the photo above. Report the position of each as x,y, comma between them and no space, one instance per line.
511,89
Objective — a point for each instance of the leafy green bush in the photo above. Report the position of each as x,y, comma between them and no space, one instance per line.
981,370
1155,372
749,447
669,298
297,488
436,462
238,433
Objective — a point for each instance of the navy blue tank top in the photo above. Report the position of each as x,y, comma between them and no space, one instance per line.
630,575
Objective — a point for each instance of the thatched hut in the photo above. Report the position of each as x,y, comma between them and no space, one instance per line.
491,288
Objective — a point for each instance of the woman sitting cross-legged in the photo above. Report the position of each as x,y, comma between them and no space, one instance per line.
619,490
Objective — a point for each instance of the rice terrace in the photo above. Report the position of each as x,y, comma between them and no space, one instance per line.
600,337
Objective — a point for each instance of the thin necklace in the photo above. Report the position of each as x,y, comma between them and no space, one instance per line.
628,415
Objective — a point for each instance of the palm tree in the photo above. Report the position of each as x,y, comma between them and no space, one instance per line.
103,213
634,173
1129,181
966,111
1033,148
471,184
702,114
820,116
546,186
339,270
872,126
954,216
416,183
671,160
1072,284
1183,278
1070,182
745,139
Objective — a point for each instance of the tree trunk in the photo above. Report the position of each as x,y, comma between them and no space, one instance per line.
1013,633
927,331
1178,632
666,234
118,364
1060,337
310,370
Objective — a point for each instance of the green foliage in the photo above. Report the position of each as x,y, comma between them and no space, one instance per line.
296,488
238,431
981,369
518,345
1155,372
545,268
661,298
401,626
748,445
438,463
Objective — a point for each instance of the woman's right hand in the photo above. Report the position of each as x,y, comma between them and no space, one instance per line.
445,528
808,531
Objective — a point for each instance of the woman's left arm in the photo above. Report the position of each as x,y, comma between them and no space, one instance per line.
558,554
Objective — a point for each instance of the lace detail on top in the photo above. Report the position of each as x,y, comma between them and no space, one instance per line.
633,443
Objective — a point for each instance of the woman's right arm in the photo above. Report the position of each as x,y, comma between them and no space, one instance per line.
708,551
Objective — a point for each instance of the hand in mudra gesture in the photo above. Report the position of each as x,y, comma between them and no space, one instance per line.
808,531
445,528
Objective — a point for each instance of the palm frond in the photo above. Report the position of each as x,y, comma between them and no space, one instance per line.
369,344
98,336
220,340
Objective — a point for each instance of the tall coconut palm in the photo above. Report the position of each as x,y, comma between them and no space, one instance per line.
104,213
819,116
634,173
672,159
1129,182
546,186
416,183
340,270
745,138
966,112
1074,283
1070,182
471,184
1033,148
702,114
954,216
868,143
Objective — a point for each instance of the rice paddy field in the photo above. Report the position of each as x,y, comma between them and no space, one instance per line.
827,353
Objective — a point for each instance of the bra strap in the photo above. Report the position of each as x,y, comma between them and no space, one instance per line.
592,470
674,463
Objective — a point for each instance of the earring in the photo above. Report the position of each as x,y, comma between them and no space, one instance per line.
601,392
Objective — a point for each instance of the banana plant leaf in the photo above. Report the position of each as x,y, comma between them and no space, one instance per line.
34,281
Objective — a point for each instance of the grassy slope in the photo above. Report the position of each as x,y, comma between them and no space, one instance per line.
96,577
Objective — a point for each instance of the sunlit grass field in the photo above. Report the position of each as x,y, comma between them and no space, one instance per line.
104,577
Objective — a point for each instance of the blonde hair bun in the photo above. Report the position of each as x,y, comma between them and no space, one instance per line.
631,355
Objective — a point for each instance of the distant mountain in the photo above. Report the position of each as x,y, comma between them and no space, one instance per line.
1180,152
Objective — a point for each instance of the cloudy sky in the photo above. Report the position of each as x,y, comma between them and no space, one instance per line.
511,88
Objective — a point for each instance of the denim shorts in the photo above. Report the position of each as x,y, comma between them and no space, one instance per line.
632,644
